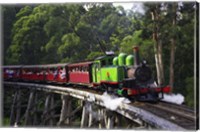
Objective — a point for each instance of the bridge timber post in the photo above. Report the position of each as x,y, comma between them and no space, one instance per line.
65,111
29,108
110,120
15,108
35,109
98,117
85,115
18,112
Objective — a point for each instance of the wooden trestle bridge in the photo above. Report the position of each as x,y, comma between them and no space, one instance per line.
36,105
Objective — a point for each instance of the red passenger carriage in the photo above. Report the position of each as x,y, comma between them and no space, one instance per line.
80,73
56,73
33,73
12,72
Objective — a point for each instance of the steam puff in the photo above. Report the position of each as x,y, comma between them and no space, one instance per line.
112,102
174,98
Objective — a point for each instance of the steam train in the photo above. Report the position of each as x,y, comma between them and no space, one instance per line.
123,75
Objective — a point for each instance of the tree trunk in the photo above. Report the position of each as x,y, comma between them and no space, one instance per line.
172,50
157,49
162,78
172,60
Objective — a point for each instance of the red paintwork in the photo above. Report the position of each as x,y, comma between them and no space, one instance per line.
146,90
79,77
79,72
32,73
55,78
52,76
49,77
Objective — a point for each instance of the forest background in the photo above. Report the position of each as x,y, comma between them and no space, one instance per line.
61,33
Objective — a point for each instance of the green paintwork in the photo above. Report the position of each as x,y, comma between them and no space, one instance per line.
129,60
104,61
104,70
121,59
96,73
112,74
115,61
120,92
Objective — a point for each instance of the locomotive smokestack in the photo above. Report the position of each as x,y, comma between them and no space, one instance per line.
136,55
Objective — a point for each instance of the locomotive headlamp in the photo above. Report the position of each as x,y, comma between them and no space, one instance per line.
144,62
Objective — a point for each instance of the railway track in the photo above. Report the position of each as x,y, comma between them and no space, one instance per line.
179,114
185,111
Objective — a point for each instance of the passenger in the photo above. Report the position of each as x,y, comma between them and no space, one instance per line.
55,73
10,73
18,73
63,74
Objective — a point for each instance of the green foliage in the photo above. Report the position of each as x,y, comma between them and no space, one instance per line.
69,42
190,91
9,16
94,55
130,41
6,122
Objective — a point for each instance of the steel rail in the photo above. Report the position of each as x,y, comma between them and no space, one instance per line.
180,110
177,106
173,115
130,111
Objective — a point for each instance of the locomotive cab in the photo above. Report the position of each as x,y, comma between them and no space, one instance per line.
99,63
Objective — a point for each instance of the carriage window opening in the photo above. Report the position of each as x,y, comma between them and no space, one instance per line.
97,66
84,69
103,62
110,61
35,71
